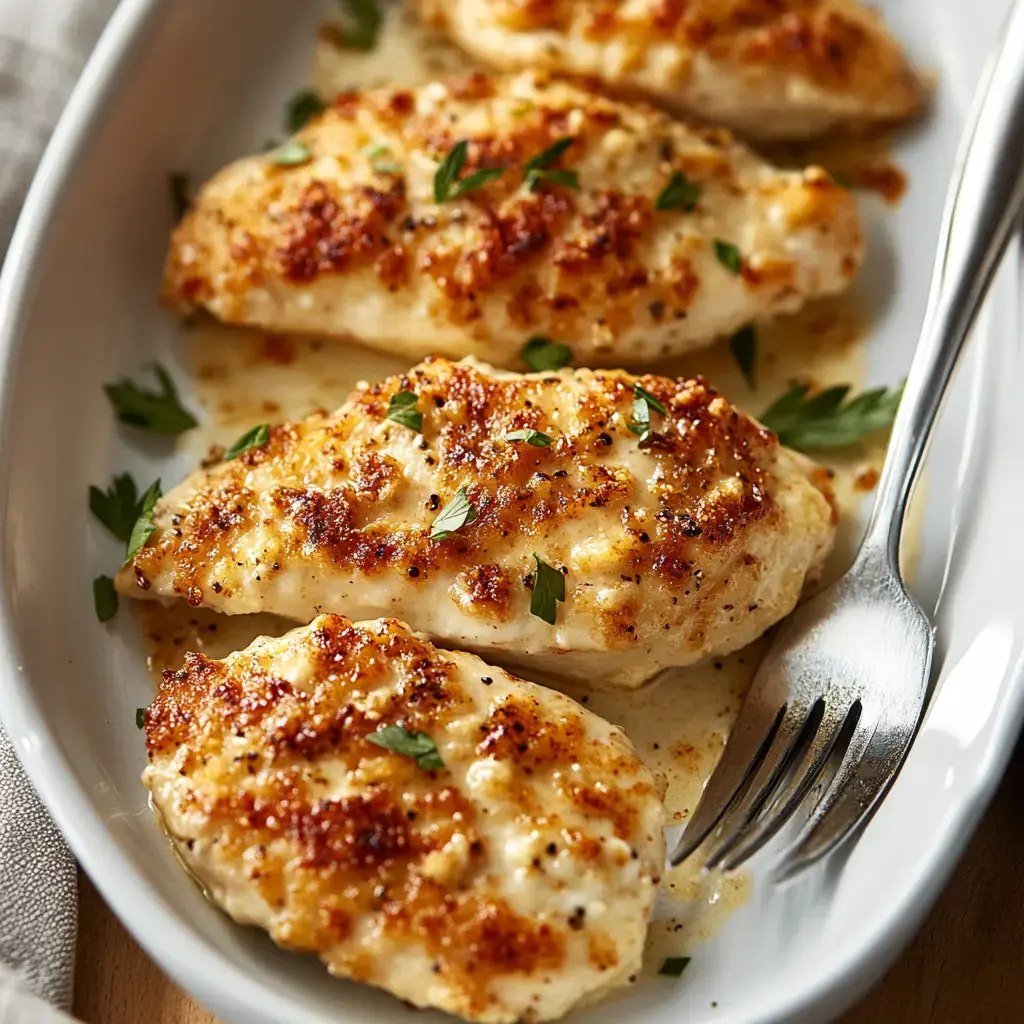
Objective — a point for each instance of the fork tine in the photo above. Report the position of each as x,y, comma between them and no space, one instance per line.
870,763
791,794
791,732
747,744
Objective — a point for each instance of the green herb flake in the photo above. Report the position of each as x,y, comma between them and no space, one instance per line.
548,589
255,438
180,189
447,181
104,598
160,412
643,403
542,354
729,256
116,508
363,20
674,966
827,419
144,527
743,346
302,108
417,745
378,155
679,194
540,168
459,512
402,410
140,718
534,437
291,154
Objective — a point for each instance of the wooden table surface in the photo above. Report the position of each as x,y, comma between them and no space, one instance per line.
963,967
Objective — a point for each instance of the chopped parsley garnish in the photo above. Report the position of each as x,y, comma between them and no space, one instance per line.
302,108
116,508
378,155
459,512
827,420
448,184
674,966
402,410
643,403
542,354
679,194
158,411
743,346
548,589
540,168
530,436
291,154
104,598
363,20
417,745
255,438
729,256
181,193
140,718
144,527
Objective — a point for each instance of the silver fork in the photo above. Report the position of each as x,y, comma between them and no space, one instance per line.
844,684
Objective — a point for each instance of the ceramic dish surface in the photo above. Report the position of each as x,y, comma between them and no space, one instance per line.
194,85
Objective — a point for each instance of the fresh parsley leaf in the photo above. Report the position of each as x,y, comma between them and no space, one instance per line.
104,598
674,966
255,438
643,403
140,718
377,155
743,346
729,256
116,508
679,194
548,588
291,154
158,411
459,512
144,527
363,21
417,745
402,410
827,420
302,108
448,184
181,193
530,436
539,168
541,354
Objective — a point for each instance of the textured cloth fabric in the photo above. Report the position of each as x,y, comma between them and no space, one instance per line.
43,47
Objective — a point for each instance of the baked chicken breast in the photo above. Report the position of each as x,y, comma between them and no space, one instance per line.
637,239
419,820
770,69
464,500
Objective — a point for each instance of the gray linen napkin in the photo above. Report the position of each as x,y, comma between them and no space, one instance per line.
43,46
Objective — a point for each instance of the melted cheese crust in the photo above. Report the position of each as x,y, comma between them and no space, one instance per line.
770,69
506,886
691,544
352,242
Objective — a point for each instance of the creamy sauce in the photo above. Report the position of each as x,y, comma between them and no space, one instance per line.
680,725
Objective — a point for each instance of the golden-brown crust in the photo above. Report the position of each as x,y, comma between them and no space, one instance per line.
255,777
279,246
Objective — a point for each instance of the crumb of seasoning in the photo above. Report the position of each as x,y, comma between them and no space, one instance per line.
278,349
867,480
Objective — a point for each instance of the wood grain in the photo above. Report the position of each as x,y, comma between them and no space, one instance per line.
963,967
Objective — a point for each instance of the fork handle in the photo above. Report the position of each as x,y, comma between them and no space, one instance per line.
982,206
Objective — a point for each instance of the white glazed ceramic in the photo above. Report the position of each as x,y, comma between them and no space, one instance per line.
192,84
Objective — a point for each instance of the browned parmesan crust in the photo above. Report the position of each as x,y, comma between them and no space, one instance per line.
352,242
691,543
770,69
505,886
